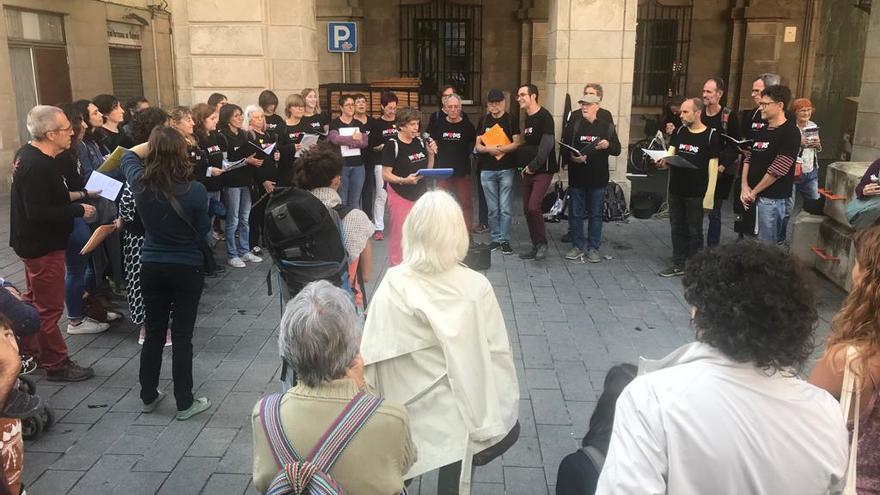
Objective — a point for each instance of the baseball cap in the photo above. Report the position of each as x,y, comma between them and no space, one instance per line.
495,95
589,99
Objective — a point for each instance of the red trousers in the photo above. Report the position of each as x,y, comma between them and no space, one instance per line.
534,188
398,209
460,187
45,290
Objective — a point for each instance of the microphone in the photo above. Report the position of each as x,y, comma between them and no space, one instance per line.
427,137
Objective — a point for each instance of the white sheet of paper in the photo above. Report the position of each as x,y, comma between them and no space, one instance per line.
346,151
307,142
268,148
108,186
233,165
656,154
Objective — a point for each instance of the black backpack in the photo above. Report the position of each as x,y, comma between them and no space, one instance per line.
615,204
304,238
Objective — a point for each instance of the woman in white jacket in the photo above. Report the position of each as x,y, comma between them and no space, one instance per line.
435,341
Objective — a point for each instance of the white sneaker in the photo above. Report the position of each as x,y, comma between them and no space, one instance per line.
237,263
87,326
113,316
253,258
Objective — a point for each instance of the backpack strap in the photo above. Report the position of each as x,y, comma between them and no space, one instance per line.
270,417
349,422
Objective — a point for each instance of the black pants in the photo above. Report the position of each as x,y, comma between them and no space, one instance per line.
169,288
483,212
257,216
686,221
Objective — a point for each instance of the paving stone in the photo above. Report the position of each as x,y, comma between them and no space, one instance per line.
54,481
105,475
549,407
170,446
526,452
95,405
537,378
524,481
58,439
36,463
227,484
91,446
188,477
212,442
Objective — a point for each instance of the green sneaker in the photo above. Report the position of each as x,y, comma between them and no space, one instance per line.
199,405
673,271
148,408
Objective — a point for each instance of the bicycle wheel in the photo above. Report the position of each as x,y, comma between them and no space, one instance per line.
639,162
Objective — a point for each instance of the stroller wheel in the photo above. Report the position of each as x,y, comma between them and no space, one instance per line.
32,428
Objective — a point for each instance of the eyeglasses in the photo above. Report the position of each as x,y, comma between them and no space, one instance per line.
63,129
348,105
763,104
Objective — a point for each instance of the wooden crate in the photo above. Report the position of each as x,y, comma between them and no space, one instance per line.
406,89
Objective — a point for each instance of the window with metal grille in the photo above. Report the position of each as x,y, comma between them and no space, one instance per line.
441,43
125,69
662,45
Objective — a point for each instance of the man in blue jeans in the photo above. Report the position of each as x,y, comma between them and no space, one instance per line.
726,123
590,141
769,166
497,164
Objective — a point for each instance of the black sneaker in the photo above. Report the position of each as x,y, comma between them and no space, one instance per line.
20,404
541,252
494,246
672,272
70,372
530,254
506,249
566,237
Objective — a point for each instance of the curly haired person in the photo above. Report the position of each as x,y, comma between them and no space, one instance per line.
727,414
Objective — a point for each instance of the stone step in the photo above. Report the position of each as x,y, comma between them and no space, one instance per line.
840,182
835,253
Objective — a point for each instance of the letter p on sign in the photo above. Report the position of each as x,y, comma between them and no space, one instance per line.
341,37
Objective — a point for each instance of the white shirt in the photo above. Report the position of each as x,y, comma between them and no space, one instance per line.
704,424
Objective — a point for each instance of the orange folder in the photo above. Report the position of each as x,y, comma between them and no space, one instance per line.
97,238
495,136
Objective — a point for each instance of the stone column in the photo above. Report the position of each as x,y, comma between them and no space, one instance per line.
593,41
241,48
866,144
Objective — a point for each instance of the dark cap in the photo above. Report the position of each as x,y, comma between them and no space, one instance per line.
495,95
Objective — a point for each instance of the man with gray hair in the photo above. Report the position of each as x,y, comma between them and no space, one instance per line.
42,210
320,338
692,188
455,137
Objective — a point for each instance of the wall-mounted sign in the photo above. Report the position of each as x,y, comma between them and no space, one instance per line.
120,33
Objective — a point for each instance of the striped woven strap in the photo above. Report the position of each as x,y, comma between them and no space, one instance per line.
343,429
270,417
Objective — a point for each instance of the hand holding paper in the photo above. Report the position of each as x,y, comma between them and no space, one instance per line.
109,188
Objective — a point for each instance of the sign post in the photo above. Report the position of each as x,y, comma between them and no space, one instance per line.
342,39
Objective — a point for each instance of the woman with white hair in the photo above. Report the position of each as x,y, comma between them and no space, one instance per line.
261,135
435,340
319,337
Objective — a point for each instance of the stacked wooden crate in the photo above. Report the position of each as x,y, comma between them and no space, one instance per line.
405,88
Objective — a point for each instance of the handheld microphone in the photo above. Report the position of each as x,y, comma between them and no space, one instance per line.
427,137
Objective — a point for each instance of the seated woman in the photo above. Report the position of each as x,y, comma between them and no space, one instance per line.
579,471
319,171
435,340
869,185
319,336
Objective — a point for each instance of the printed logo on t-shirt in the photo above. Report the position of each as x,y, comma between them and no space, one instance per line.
295,136
528,131
689,148
271,126
214,149
757,126
761,145
588,139
388,133
451,136
315,125
416,157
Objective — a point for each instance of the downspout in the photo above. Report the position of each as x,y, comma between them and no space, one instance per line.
155,56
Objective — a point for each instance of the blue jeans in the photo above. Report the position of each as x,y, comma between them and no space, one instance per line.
238,209
808,186
215,195
713,233
352,186
770,219
591,201
498,187
75,278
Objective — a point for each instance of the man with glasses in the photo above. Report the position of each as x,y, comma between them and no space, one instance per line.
41,212
455,137
768,169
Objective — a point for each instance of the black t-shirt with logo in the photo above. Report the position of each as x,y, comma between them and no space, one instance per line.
269,169
536,126
593,173
455,142
698,148
209,155
510,126
771,142
317,122
235,147
276,124
381,131
405,159
355,160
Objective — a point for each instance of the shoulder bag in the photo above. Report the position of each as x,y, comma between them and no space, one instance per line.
201,242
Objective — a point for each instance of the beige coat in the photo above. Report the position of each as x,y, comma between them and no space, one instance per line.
372,464
438,345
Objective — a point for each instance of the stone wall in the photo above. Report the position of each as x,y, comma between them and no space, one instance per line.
241,48
866,145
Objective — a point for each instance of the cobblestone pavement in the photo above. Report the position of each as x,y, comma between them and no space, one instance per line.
568,324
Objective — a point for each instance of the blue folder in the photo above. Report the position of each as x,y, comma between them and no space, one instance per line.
435,173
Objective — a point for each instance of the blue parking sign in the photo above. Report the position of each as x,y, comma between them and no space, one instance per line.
341,37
